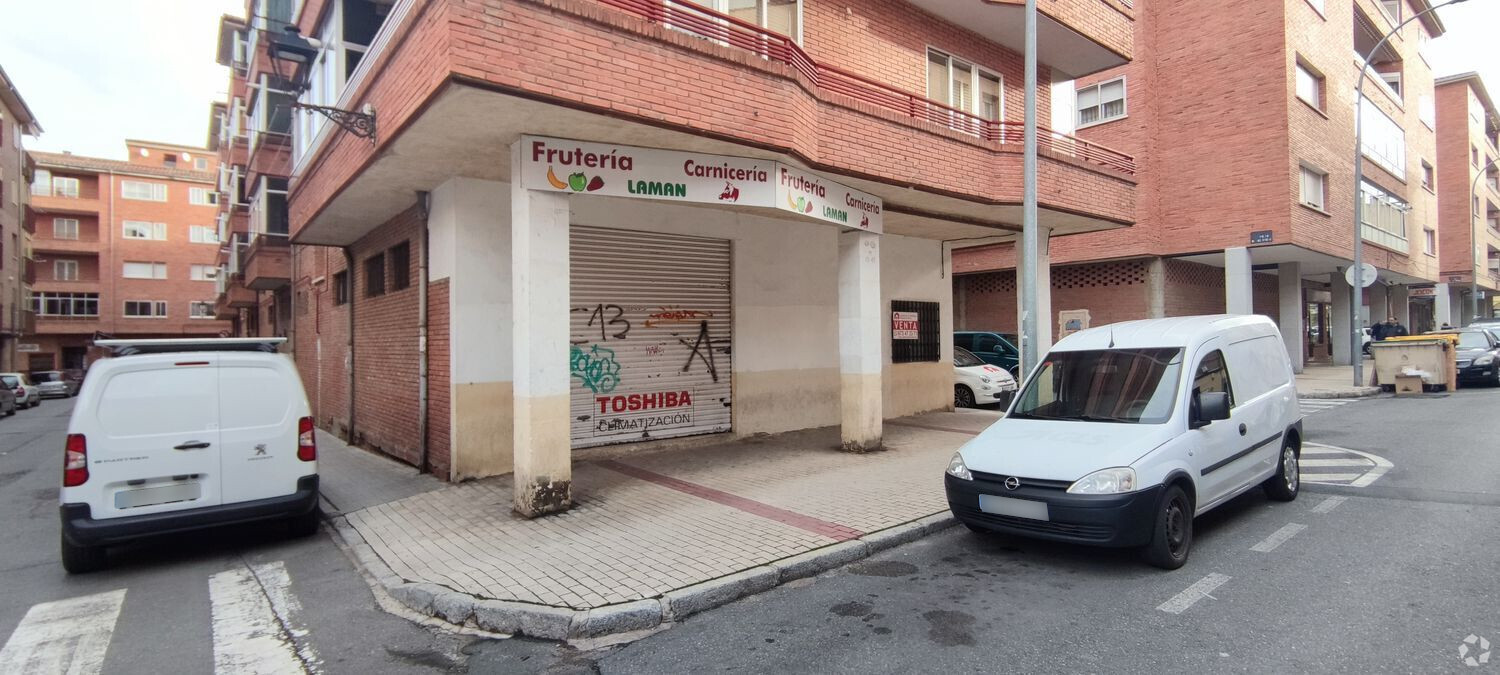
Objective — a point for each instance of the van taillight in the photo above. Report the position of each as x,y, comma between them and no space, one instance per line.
307,443
76,461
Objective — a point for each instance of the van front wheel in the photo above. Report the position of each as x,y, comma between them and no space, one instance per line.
1284,485
81,559
1172,537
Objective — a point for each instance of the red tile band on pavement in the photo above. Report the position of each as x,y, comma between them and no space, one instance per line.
966,432
817,526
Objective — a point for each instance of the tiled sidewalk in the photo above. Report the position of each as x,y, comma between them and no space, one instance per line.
649,524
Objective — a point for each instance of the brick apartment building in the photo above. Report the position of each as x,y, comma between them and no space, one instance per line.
1468,187
499,279
122,249
16,319
1241,119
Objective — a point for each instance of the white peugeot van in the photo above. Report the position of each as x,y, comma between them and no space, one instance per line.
183,434
1126,432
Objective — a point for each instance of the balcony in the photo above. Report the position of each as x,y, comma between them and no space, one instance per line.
50,245
29,275
1074,37
28,220
266,263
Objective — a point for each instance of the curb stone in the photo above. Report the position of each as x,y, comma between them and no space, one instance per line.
1352,392
564,623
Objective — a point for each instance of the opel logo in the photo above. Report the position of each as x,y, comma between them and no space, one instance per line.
1012,483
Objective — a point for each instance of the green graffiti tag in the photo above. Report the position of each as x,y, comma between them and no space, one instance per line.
596,368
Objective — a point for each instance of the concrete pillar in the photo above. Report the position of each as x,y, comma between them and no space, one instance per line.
1239,282
1399,300
860,334
1442,306
1156,288
960,294
1377,300
1292,311
539,332
1046,318
1340,333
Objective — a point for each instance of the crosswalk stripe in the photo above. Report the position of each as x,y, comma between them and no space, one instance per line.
256,622
64,636
1358,461
1325,477
1320,450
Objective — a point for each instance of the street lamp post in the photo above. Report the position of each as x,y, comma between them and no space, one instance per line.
1357,299
1474,240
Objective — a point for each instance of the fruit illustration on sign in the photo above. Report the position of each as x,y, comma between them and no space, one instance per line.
577,181
555,181
596,183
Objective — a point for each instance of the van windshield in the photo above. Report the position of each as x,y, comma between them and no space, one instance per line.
1133,386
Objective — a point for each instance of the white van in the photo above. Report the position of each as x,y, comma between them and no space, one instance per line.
176,435
1126,432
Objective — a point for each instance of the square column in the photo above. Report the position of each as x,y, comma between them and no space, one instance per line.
1340,332
1292,311
860,332
1442,306
1046,319
1239,286
1399,301
539,350
1156,289
1377,298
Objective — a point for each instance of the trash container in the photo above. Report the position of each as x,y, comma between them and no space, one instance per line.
1430,357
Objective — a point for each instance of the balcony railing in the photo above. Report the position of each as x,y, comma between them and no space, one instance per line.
728,30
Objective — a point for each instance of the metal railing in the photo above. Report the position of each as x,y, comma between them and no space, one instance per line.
727,30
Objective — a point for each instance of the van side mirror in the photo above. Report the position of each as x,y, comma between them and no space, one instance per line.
1211,406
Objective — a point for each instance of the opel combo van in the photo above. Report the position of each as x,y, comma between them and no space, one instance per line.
1124,433
177,435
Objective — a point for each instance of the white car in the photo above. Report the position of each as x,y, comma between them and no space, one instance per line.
178,435
978,383
1128,431
27,395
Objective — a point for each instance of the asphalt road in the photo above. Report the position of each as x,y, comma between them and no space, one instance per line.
1389,577
166,621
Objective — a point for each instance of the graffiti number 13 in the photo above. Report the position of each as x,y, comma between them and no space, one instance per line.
617,321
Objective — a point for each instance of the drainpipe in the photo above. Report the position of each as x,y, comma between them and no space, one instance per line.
425,200
349,275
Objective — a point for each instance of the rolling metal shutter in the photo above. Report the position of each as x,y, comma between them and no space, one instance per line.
650,333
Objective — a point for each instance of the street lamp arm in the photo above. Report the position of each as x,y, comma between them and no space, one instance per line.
1357,296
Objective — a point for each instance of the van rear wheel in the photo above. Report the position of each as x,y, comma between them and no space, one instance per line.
82,559
1172,537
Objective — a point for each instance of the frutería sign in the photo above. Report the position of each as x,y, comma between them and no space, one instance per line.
561,165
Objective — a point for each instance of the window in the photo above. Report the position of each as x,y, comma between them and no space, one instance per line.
41,183
400,266
202,234
341,288
65,187
169,160
203,272
1384,218
268,207
65,270
1427,175
135,229
201,310
145,270
1392,81
1427,111
1309,85
1474,155
1212,376
375,275
202,197
1318,5
146,309
64,228
1392,9
1429,241
200,163
65,304
1101,102
143,191
965,86
1314,190
1384,141
1129,386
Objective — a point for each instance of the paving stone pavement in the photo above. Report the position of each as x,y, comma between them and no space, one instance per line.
645,525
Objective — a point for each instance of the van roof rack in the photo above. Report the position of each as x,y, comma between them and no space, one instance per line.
169,345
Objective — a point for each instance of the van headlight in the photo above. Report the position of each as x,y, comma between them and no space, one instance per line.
958,469
1485,360
1105,482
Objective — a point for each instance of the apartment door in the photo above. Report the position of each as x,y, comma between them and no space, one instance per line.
1317,328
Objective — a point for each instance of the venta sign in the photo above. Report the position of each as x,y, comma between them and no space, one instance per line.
904,325
577,167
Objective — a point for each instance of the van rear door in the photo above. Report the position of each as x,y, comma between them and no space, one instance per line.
260,401
154,444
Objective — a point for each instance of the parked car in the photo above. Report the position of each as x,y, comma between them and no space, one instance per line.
177,435
977,383
53,384
996,349
27,396
1364,338
7,401
1478,355
1127,432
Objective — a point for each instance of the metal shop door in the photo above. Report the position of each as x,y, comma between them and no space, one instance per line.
650,351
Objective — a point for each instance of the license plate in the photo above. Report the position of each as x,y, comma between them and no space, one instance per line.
1018,508
181,492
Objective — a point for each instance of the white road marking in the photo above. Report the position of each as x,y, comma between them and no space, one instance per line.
1278,537
1378,466
256,624
1361,462
65,636
1328,504
1310,477
1199,590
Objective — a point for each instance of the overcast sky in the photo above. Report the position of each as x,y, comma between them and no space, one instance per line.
96,72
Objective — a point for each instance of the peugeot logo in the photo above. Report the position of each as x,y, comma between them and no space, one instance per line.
1012,483
260,449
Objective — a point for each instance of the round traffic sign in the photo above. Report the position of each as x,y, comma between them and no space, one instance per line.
1365,279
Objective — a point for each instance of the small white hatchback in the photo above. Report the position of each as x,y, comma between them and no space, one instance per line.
177,435
1128,431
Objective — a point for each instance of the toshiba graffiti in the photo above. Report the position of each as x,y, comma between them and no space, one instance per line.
562,165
